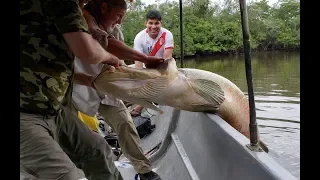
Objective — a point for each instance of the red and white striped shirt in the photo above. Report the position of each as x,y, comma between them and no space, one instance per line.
154,47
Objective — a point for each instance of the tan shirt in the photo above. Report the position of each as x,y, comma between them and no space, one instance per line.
87,99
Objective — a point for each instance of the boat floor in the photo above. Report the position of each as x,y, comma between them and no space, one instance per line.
151,141
202,146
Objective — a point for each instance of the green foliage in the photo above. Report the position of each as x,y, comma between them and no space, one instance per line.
216,28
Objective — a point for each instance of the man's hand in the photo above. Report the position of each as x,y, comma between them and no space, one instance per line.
112,60
153,62
108,68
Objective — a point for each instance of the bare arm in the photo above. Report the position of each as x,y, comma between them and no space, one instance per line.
168,46
120,49
167,53
69,20
123,51
88,49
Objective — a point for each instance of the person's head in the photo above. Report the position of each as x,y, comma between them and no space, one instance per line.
153,23
108,13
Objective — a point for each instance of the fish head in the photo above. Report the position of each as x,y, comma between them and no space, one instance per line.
168,67
137,85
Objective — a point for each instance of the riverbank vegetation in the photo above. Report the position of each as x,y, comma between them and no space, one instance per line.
215,28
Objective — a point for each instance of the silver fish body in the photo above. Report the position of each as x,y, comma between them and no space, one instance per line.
184,88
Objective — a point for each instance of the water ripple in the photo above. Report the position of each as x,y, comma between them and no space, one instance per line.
283,120
276,84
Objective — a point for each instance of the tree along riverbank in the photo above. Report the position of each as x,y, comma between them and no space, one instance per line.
215,29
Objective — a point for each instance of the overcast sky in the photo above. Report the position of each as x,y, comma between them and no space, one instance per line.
153,1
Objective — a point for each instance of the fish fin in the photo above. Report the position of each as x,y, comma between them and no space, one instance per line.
209,90
150,89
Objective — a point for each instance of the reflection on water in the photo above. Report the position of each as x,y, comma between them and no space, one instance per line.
276,80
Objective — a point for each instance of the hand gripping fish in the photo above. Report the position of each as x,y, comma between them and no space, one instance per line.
185,89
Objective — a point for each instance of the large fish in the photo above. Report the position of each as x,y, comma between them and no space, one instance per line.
185,89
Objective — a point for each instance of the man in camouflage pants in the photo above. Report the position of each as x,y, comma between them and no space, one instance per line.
52,139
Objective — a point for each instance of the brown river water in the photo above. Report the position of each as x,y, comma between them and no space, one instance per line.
276,81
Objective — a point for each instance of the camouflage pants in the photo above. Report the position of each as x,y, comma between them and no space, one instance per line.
120,120
51,147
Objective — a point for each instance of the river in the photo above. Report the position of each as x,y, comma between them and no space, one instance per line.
276,81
